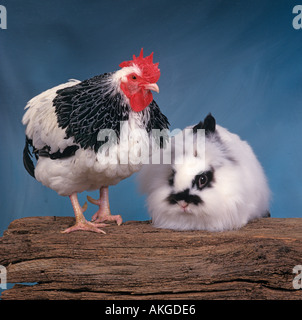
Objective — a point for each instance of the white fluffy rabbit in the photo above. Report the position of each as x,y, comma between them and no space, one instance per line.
221,188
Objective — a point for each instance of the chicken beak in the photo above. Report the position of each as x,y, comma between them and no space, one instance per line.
152,86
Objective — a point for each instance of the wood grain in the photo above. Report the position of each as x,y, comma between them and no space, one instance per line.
137,261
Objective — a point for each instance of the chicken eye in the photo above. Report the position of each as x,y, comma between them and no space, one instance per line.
134,77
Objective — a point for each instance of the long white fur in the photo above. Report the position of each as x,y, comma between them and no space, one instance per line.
239,191
83,171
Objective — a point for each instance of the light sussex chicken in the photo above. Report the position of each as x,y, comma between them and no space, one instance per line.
63,126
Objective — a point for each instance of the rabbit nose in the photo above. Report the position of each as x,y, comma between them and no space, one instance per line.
183,204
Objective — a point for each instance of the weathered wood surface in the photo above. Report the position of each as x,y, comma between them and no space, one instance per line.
137,261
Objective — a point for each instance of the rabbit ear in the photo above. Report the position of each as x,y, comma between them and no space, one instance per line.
197,126
209,124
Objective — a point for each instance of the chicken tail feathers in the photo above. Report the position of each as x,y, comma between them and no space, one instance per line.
27,158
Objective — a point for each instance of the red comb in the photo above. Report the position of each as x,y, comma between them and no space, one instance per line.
150,70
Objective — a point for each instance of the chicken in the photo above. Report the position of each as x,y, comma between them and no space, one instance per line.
63,127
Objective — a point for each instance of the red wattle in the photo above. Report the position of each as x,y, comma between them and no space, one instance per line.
140,100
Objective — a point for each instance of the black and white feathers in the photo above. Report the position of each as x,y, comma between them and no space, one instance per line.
62,127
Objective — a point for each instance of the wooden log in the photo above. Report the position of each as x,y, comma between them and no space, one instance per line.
137,261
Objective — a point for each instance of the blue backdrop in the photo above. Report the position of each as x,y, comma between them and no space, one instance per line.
240,60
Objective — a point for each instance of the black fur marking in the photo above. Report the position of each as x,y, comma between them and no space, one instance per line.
208,178
27,158
216,138
86,108
209,125
198,126
185,195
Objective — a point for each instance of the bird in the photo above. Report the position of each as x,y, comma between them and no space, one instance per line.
63,125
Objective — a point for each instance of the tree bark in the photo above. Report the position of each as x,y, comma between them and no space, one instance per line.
137,261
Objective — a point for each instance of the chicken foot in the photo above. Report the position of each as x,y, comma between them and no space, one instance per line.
81,222
104,214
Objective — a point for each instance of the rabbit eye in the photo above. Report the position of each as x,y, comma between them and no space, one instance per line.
202,181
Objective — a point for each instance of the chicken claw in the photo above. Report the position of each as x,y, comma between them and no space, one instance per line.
104,213
81,222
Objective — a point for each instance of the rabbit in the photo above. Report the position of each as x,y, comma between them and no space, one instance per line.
219,189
